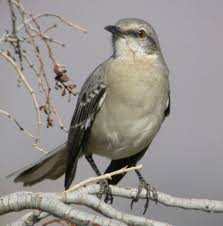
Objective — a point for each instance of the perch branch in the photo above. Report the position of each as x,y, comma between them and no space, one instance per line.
58,204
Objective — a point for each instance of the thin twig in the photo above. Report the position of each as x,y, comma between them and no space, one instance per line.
58,118
32,33
104,176
26,83
21,128
62,19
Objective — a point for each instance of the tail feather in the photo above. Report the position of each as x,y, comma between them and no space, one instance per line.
51,166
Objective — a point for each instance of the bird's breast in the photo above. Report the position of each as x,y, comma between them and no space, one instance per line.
132,112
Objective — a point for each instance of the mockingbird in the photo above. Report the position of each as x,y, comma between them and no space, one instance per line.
120,109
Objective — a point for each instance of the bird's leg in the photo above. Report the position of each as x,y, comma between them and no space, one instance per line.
104,186
149,190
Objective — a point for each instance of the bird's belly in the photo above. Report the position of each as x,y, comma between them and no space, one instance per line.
126,138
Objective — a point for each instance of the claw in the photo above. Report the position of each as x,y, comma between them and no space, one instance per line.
149,190
135,199
105,190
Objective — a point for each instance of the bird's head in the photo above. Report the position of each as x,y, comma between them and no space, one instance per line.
133,37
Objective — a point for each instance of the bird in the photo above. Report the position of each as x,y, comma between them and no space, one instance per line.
120,109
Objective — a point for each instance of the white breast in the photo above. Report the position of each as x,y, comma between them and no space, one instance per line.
132,112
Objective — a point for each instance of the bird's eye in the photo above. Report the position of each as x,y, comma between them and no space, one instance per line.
141,34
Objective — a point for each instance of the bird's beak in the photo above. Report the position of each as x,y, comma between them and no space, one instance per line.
114,30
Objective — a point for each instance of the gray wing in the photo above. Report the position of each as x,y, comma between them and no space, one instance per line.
89,102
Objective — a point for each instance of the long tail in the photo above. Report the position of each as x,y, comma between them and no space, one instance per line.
51,166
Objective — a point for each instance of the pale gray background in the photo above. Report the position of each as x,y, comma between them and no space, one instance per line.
186,157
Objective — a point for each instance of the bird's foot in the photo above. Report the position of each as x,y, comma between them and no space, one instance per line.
105,190
149,190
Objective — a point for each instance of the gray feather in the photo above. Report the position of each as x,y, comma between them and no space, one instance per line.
50,166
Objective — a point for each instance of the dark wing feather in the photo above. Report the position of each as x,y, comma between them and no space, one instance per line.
87,106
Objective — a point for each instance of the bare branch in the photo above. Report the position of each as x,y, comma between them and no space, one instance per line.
52,203
206,205
26,200
57,204
30,218
47,203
